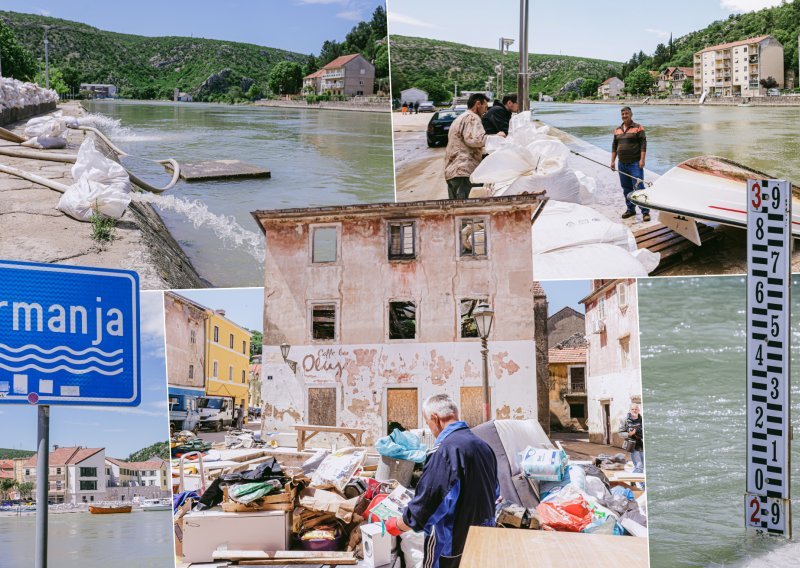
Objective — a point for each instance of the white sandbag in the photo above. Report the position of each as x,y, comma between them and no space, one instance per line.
102,184
559,184
648,258
493,143
527,133
588,188
51,125
519,120
413,546
598,260
45,142
562,225
507,163
549,153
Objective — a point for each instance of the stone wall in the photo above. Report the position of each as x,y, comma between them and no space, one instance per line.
9,115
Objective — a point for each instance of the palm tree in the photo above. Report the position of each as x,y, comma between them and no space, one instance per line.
6,485
25,489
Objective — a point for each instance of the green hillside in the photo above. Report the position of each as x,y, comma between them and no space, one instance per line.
782,22
160,449
428,63
9,454
147,67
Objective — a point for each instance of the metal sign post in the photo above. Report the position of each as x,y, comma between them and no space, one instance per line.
68,335
769,216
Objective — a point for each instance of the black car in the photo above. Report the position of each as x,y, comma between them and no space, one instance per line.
439,126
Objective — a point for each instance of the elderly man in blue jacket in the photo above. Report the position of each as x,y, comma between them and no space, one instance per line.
457,490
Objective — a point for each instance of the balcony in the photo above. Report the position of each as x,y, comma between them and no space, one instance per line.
334,75
577,387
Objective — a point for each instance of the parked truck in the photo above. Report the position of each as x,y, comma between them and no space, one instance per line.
183,413
216,412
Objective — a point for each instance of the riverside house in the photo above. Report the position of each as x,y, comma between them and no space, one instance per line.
349,75
77,474
736,69
611,88
671,79
373,305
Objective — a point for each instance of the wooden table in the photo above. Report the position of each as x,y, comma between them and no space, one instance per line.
307,431
489,547
623,478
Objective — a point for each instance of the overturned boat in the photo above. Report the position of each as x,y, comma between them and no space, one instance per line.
706,188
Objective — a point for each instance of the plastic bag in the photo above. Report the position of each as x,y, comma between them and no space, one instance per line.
543,464
570,515
45,142
413,546
596,488
249,492
101,184
401,446
337,469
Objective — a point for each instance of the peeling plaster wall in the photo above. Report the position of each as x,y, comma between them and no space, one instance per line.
362,373
559,401
179,319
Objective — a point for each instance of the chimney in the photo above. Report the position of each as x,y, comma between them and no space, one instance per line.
55,447
220,312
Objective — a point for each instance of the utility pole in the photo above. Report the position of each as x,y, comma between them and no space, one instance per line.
46,59
522,82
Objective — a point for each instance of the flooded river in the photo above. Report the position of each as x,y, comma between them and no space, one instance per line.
78,540
316,158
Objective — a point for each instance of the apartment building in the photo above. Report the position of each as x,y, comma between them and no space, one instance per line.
611,88
228,363
77,474
350,75
185,330
736,69
150,473
613,374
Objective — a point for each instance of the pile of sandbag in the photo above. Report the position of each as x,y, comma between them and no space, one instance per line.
47,132
101,185
18,94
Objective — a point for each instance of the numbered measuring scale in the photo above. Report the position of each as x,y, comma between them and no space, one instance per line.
769,215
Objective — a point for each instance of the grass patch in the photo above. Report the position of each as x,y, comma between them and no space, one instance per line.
103,228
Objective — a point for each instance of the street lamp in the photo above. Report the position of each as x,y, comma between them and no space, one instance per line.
484,316
46,58
285,347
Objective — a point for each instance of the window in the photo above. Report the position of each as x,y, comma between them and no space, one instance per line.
244,346
402,240
192,336
468,326
58,471
191,371
324,244
363,71
244,377
88,486
622,295
577,410
625,351
27,472
472,237
601,309
88,472
216,334
230,341
214,373
402,320
323,322
577,379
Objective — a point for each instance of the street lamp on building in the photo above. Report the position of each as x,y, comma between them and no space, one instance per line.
484,316
285,347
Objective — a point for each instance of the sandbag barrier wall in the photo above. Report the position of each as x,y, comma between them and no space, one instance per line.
9,115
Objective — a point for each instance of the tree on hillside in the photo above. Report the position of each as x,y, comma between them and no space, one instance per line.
57,82
437,91
639,81
286,78
256,343
382,61
255,92
589,87
311,65
16,61
331,49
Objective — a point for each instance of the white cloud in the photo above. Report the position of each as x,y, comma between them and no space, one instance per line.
352,15
129,410
42,12
342,2
659,33
747,5
396,18
152,315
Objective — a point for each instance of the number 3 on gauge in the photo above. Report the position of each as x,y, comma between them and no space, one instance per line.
756,200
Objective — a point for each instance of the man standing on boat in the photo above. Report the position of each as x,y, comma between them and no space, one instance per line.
630,144
465,143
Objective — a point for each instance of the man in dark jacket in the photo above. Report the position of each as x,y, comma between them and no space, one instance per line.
457,490
496,120
630,428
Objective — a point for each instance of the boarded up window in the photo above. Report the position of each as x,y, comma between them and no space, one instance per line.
473,237
468,326
402,320
402,408
323,321
402,240
322,406
472,405
323,248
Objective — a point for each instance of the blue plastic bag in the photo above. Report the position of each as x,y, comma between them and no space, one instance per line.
401,446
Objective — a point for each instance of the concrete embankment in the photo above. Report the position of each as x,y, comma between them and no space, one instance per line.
329,105
34,230
783,101
9,115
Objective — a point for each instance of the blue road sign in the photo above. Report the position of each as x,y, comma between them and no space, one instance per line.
69,335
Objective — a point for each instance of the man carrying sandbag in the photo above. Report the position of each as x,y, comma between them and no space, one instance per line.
630,144
457,490
465,143
497,118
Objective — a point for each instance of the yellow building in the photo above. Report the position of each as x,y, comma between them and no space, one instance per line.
228,359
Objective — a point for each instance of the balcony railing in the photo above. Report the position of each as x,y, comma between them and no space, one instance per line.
333,74
576,387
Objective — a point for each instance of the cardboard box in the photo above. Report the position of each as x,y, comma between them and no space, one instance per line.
377,545
205,531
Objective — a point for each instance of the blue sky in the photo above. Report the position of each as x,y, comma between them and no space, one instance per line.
587,28
295,25
243,306
562,293
120,430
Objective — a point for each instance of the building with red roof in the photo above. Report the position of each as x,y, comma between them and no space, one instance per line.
350,75
76,475
736,68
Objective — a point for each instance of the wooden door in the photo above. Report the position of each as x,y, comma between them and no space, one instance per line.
402,407
322,406
471,410
607,422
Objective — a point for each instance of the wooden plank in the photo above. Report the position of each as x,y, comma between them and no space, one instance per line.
322,406
299,561
319,428
203,170
281,555
402,406
472,405
497,548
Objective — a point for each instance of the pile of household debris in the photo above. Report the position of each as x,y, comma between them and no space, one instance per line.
568,234
283,506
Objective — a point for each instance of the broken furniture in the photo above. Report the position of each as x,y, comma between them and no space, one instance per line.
307,431
489,547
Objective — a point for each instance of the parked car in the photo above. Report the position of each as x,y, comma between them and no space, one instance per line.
427,106
439,126
773,92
